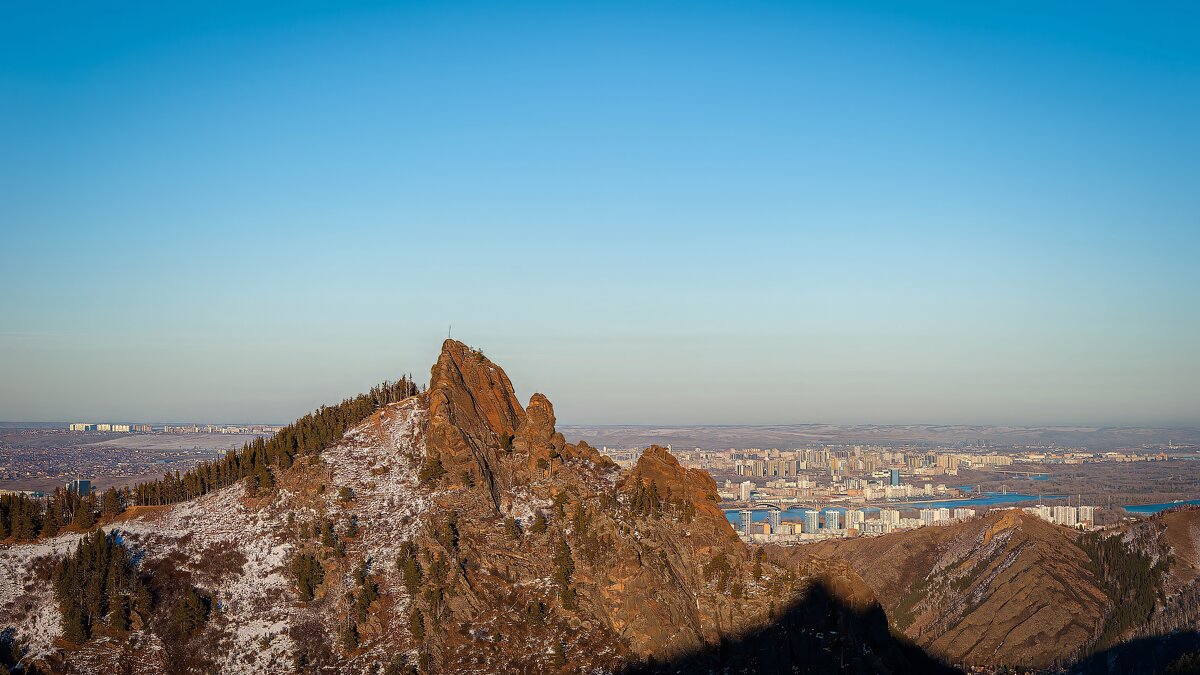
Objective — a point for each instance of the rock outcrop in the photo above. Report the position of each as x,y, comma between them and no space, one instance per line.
472,410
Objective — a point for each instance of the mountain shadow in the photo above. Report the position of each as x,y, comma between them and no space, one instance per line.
1145,656
819,633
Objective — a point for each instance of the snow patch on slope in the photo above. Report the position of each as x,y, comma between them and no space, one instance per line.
26,602
254,609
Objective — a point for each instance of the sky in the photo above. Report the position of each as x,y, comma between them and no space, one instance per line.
655,212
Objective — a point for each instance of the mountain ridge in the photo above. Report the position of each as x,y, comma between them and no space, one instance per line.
455,530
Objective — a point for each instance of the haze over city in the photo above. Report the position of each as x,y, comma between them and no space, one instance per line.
600,338
708,213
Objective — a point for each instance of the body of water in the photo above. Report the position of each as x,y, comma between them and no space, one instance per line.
1155,508
986,499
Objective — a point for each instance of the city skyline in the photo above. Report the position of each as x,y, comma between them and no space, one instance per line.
711,213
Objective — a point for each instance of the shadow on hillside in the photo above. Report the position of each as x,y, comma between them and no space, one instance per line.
1145,656
10,651
817,634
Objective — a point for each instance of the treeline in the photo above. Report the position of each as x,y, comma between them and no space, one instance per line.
308,435
24,518
20,517
1130,578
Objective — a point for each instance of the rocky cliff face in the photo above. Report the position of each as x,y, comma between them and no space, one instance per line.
472,407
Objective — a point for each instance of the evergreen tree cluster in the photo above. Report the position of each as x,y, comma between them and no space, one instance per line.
645,500
98,583
410,568
309,575
427,576
718,569
24,517
20,517
190,612
564,568
512,529
365,592
1129,577
432,470
307,436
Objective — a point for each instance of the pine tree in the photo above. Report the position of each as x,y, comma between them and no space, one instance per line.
416,625
564,567
74,630
52,520
433,470
85,516
309,575
349,636
308,436
190,613
118,615
409,567
143,601
22,521
111,503
328,539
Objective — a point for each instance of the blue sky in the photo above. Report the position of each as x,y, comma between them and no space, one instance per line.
743,212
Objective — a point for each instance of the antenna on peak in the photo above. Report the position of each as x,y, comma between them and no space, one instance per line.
448,327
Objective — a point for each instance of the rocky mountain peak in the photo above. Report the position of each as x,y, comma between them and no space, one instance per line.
467,385
473,412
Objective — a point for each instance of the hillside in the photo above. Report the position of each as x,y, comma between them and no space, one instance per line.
1011,589
451,531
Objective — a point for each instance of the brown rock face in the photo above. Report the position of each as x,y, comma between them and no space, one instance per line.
691,487
472,410
537,439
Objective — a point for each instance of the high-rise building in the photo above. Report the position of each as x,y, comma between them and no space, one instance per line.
745,490
895,476
811,521
1066,515
774,517
1087,515
855,518
745,517
80,486
832,519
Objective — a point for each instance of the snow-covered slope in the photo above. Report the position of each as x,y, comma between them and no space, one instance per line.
238,548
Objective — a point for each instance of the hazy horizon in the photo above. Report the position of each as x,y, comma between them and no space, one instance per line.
711,213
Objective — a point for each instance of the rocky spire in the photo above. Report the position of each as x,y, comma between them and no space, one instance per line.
473,412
